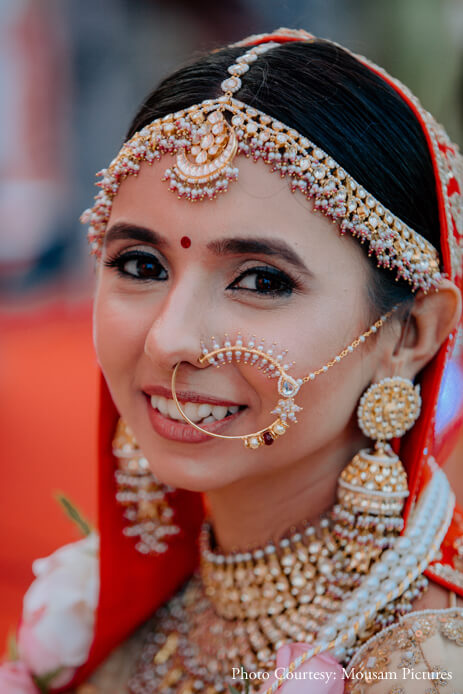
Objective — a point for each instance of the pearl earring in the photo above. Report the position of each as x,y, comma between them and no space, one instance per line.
144,498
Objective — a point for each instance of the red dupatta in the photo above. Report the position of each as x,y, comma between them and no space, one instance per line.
133,586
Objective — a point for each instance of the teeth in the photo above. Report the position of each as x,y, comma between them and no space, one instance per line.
204,410
161,404
191,411
196,412
172,410
219,412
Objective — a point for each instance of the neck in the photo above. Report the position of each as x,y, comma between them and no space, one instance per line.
253,511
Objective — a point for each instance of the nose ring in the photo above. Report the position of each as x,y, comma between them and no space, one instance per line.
267,362
270,362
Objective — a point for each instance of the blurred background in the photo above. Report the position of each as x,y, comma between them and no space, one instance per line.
72,75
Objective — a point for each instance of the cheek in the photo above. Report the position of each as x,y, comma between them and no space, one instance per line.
326,420
119,336
329,401
331,398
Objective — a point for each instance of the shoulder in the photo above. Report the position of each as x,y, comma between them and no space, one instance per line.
418,653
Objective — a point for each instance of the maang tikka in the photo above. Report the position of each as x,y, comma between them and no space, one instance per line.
270,362
205,140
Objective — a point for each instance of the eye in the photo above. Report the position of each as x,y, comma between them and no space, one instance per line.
138,265
264,280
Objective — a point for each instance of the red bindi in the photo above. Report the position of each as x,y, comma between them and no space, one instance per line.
185,242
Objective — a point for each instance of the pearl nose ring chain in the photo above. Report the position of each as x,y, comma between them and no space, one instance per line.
271,363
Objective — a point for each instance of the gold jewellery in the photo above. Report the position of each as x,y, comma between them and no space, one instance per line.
389,408
205,141
269,362
375,480
145,499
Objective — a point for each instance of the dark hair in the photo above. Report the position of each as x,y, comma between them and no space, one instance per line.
326,94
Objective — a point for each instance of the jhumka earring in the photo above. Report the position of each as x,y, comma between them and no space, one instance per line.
272,363
145,498
374,483
375,479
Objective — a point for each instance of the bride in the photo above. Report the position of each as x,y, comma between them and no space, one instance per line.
271,359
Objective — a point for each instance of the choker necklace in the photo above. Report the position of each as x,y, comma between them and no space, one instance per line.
239,608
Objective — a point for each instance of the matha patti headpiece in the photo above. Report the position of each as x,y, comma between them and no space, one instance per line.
205,140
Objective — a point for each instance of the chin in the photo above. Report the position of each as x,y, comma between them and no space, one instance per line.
198,473
182,456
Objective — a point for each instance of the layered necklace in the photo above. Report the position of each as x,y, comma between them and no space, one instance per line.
238,608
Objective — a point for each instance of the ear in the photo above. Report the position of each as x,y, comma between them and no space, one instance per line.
433,316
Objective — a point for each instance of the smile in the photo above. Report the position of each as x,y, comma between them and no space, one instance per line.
167,421
203,413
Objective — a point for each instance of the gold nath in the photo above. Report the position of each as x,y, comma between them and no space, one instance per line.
269,362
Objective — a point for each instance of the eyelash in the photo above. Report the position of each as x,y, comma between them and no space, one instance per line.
119,260
287,284
265,272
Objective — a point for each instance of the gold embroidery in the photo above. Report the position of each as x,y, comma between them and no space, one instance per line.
440,678
453,630
458,557
423,628
407,637
402,640
454,201
442,675
410,658
448,574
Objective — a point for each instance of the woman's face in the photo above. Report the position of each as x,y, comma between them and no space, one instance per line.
260,262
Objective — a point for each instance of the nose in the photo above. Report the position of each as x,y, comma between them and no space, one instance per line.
175,334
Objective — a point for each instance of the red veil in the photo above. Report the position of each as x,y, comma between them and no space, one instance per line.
133,586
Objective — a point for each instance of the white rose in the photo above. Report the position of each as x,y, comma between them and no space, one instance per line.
56,629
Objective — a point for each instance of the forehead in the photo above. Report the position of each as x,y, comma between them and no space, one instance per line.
260,202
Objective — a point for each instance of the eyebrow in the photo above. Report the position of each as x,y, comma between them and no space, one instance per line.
271,248
221,247
122,231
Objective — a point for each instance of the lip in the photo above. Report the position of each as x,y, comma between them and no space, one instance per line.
189,396
181,431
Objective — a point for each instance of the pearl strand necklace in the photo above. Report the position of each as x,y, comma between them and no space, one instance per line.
430,522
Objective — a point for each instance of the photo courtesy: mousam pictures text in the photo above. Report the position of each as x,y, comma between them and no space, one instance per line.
405,673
